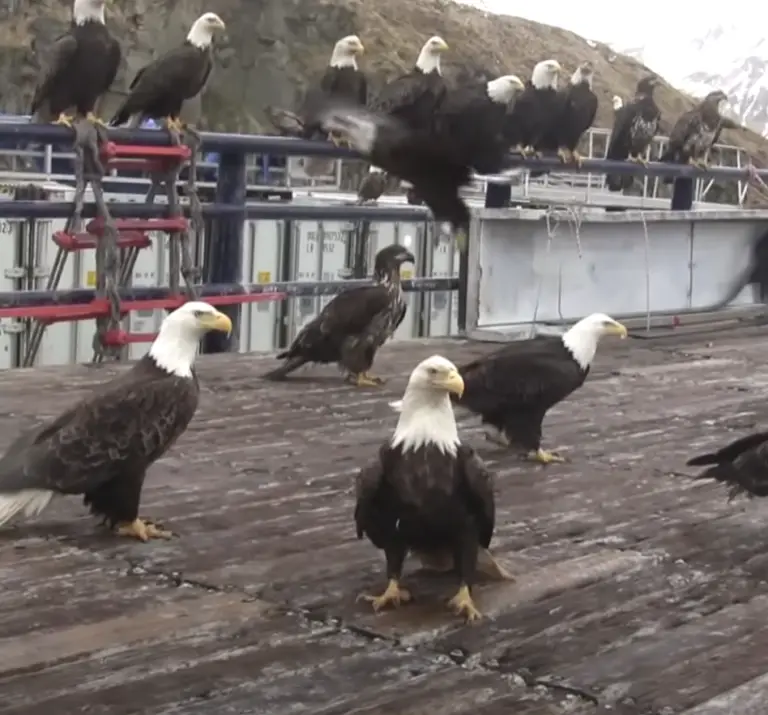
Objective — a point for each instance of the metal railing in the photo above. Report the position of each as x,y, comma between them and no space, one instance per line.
225,216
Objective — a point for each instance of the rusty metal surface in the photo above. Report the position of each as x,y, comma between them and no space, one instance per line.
638,591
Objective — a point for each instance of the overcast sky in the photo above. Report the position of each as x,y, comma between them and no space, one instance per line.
616,22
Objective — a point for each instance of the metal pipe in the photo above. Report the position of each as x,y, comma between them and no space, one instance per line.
333,212
78,296
288,146
224,249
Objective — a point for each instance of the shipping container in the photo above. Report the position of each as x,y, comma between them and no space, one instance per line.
263,258
442,307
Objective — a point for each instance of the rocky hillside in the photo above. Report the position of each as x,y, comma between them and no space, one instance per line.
274,47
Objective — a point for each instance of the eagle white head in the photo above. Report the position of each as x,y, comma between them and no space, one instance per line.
175,346
426,414
429,57
546,74
585,72
618,103
346,51
203,29
582,339
88,11
504,89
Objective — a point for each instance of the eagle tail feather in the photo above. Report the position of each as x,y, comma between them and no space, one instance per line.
703,459
280,373
27,502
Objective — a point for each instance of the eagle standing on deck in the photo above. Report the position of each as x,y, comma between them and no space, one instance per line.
102,447
411,98
742,466
354,325
161,87
634,126
578,110
426,491
342,81
694,132
535,110
83,64
513,388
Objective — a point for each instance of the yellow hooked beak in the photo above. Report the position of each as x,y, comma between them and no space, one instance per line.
360,48
616,329
442,46
452,382
216,321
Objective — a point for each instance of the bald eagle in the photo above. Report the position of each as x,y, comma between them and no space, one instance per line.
354,325
742,465
102,447
342,81
578,110
513,388
694,132
426,491
413,97
465,134
83,64
634,126
161,87
535,110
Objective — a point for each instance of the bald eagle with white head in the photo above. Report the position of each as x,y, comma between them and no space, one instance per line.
427,492
578,111
413,97
342,81
159,89
536,109
513,388
102,446
82,66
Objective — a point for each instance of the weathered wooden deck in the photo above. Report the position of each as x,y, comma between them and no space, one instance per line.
639,591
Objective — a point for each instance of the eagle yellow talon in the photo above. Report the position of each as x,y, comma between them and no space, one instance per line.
577,158
463,605
544,457
638,160
565,155
174,125
527,151
364,379
65,120
143,531
93,119
393,595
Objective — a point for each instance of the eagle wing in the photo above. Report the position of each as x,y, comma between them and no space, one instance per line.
163,76
619,143
125,428
742,465
478,482
528,375
62,53
351,312
367,485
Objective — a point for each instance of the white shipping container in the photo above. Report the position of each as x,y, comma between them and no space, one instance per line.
262,263
150,271
443,305
319,254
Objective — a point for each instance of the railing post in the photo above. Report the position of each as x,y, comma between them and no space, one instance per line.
682,194
224,249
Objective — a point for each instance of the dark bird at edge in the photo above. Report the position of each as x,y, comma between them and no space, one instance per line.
742,466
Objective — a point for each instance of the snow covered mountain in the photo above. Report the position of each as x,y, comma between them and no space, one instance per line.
734,59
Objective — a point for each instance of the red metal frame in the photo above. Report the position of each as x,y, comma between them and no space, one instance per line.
100,307
85,241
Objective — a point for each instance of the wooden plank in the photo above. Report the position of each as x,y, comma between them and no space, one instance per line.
747,699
